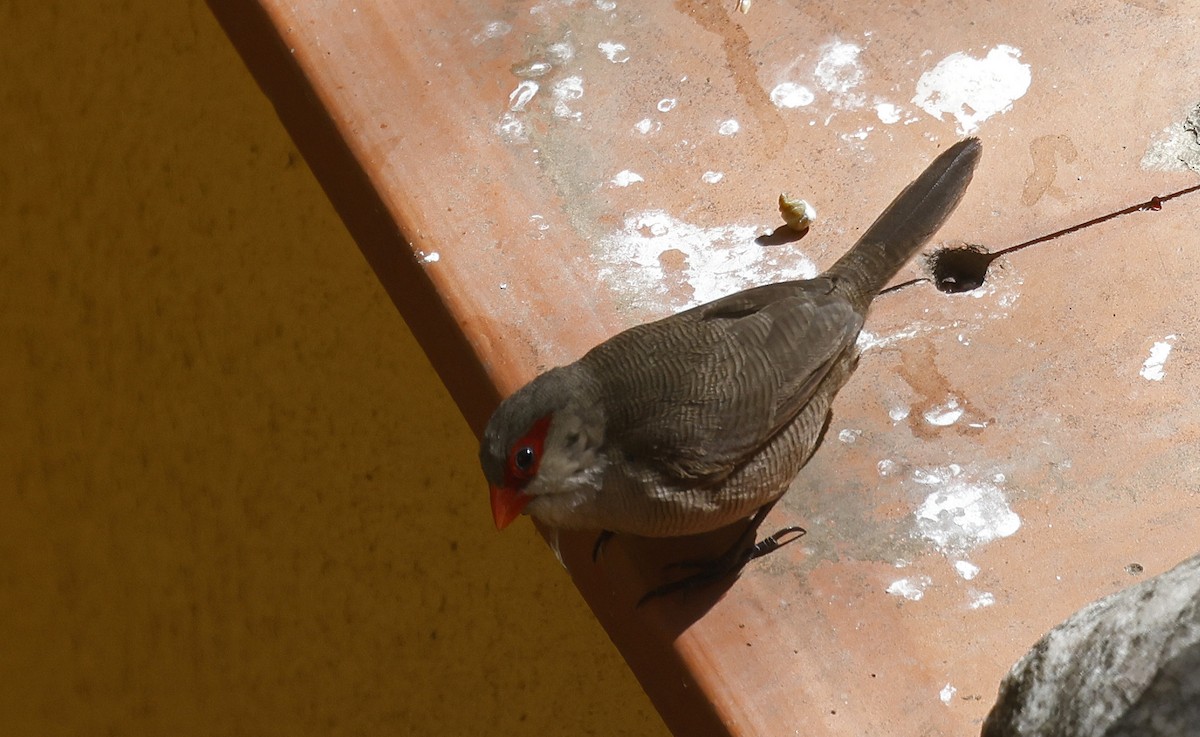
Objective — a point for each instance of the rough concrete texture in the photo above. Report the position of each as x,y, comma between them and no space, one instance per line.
1126,665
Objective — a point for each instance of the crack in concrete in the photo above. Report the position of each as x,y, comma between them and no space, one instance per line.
964,268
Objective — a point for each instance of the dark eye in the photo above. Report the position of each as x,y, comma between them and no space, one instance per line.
523,458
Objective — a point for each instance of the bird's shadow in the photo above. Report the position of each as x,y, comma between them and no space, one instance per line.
628,567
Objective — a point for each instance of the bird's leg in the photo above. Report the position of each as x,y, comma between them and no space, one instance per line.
601,539
745,544
771,543
731,562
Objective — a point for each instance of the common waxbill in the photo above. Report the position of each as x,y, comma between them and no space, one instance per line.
695,421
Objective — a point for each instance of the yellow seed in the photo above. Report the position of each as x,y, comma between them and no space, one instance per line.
798,214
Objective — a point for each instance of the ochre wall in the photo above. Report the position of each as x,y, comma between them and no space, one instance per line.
234,498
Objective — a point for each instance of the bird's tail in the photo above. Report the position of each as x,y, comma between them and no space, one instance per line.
912,218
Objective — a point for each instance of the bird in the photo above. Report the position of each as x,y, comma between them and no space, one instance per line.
702,419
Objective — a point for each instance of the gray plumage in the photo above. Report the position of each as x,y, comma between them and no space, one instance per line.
692,422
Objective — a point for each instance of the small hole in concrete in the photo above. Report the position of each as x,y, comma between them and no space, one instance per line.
959,269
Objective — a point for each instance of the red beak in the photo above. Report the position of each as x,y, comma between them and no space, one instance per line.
507,505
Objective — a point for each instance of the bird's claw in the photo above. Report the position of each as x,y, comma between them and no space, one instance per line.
598,547
774,542
731,563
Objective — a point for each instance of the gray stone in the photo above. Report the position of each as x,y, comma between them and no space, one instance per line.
1126,665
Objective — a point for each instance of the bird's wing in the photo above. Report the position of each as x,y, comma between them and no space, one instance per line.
702,391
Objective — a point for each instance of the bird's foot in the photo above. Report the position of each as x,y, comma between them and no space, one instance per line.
768,544
730,563
771,543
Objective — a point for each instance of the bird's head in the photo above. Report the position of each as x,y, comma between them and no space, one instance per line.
542,448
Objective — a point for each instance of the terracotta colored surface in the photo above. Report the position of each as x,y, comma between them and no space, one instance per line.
999,459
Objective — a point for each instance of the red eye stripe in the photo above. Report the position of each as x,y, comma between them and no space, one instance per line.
516,477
